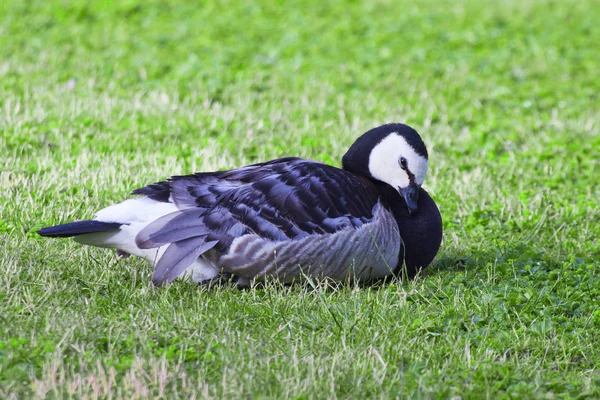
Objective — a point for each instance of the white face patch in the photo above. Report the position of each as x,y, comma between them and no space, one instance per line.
384,162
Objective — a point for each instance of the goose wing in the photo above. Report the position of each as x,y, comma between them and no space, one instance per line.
285,199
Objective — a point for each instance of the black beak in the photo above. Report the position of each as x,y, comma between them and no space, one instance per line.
410,195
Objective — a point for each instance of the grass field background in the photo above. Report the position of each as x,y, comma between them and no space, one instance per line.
98,98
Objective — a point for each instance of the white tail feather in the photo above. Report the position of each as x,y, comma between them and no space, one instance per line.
135,215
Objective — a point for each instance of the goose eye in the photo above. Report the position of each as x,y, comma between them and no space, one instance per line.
403,163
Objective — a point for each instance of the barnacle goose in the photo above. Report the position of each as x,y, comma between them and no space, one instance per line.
288,218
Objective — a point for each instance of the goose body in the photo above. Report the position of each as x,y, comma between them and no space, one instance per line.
287,218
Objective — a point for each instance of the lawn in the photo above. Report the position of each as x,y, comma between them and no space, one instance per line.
98,98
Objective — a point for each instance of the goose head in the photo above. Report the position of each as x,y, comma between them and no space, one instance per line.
394,154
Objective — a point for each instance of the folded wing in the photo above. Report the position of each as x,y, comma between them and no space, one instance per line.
282,200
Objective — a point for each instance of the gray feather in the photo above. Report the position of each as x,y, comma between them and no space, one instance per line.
172,228
368,252
178,257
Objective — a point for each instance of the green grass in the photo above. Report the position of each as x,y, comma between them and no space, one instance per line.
98,98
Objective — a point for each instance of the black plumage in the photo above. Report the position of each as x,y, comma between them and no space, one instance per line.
421,232
78,228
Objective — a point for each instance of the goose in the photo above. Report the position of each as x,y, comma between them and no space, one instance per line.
285,219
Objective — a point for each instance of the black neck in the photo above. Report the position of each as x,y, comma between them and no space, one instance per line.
421,232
